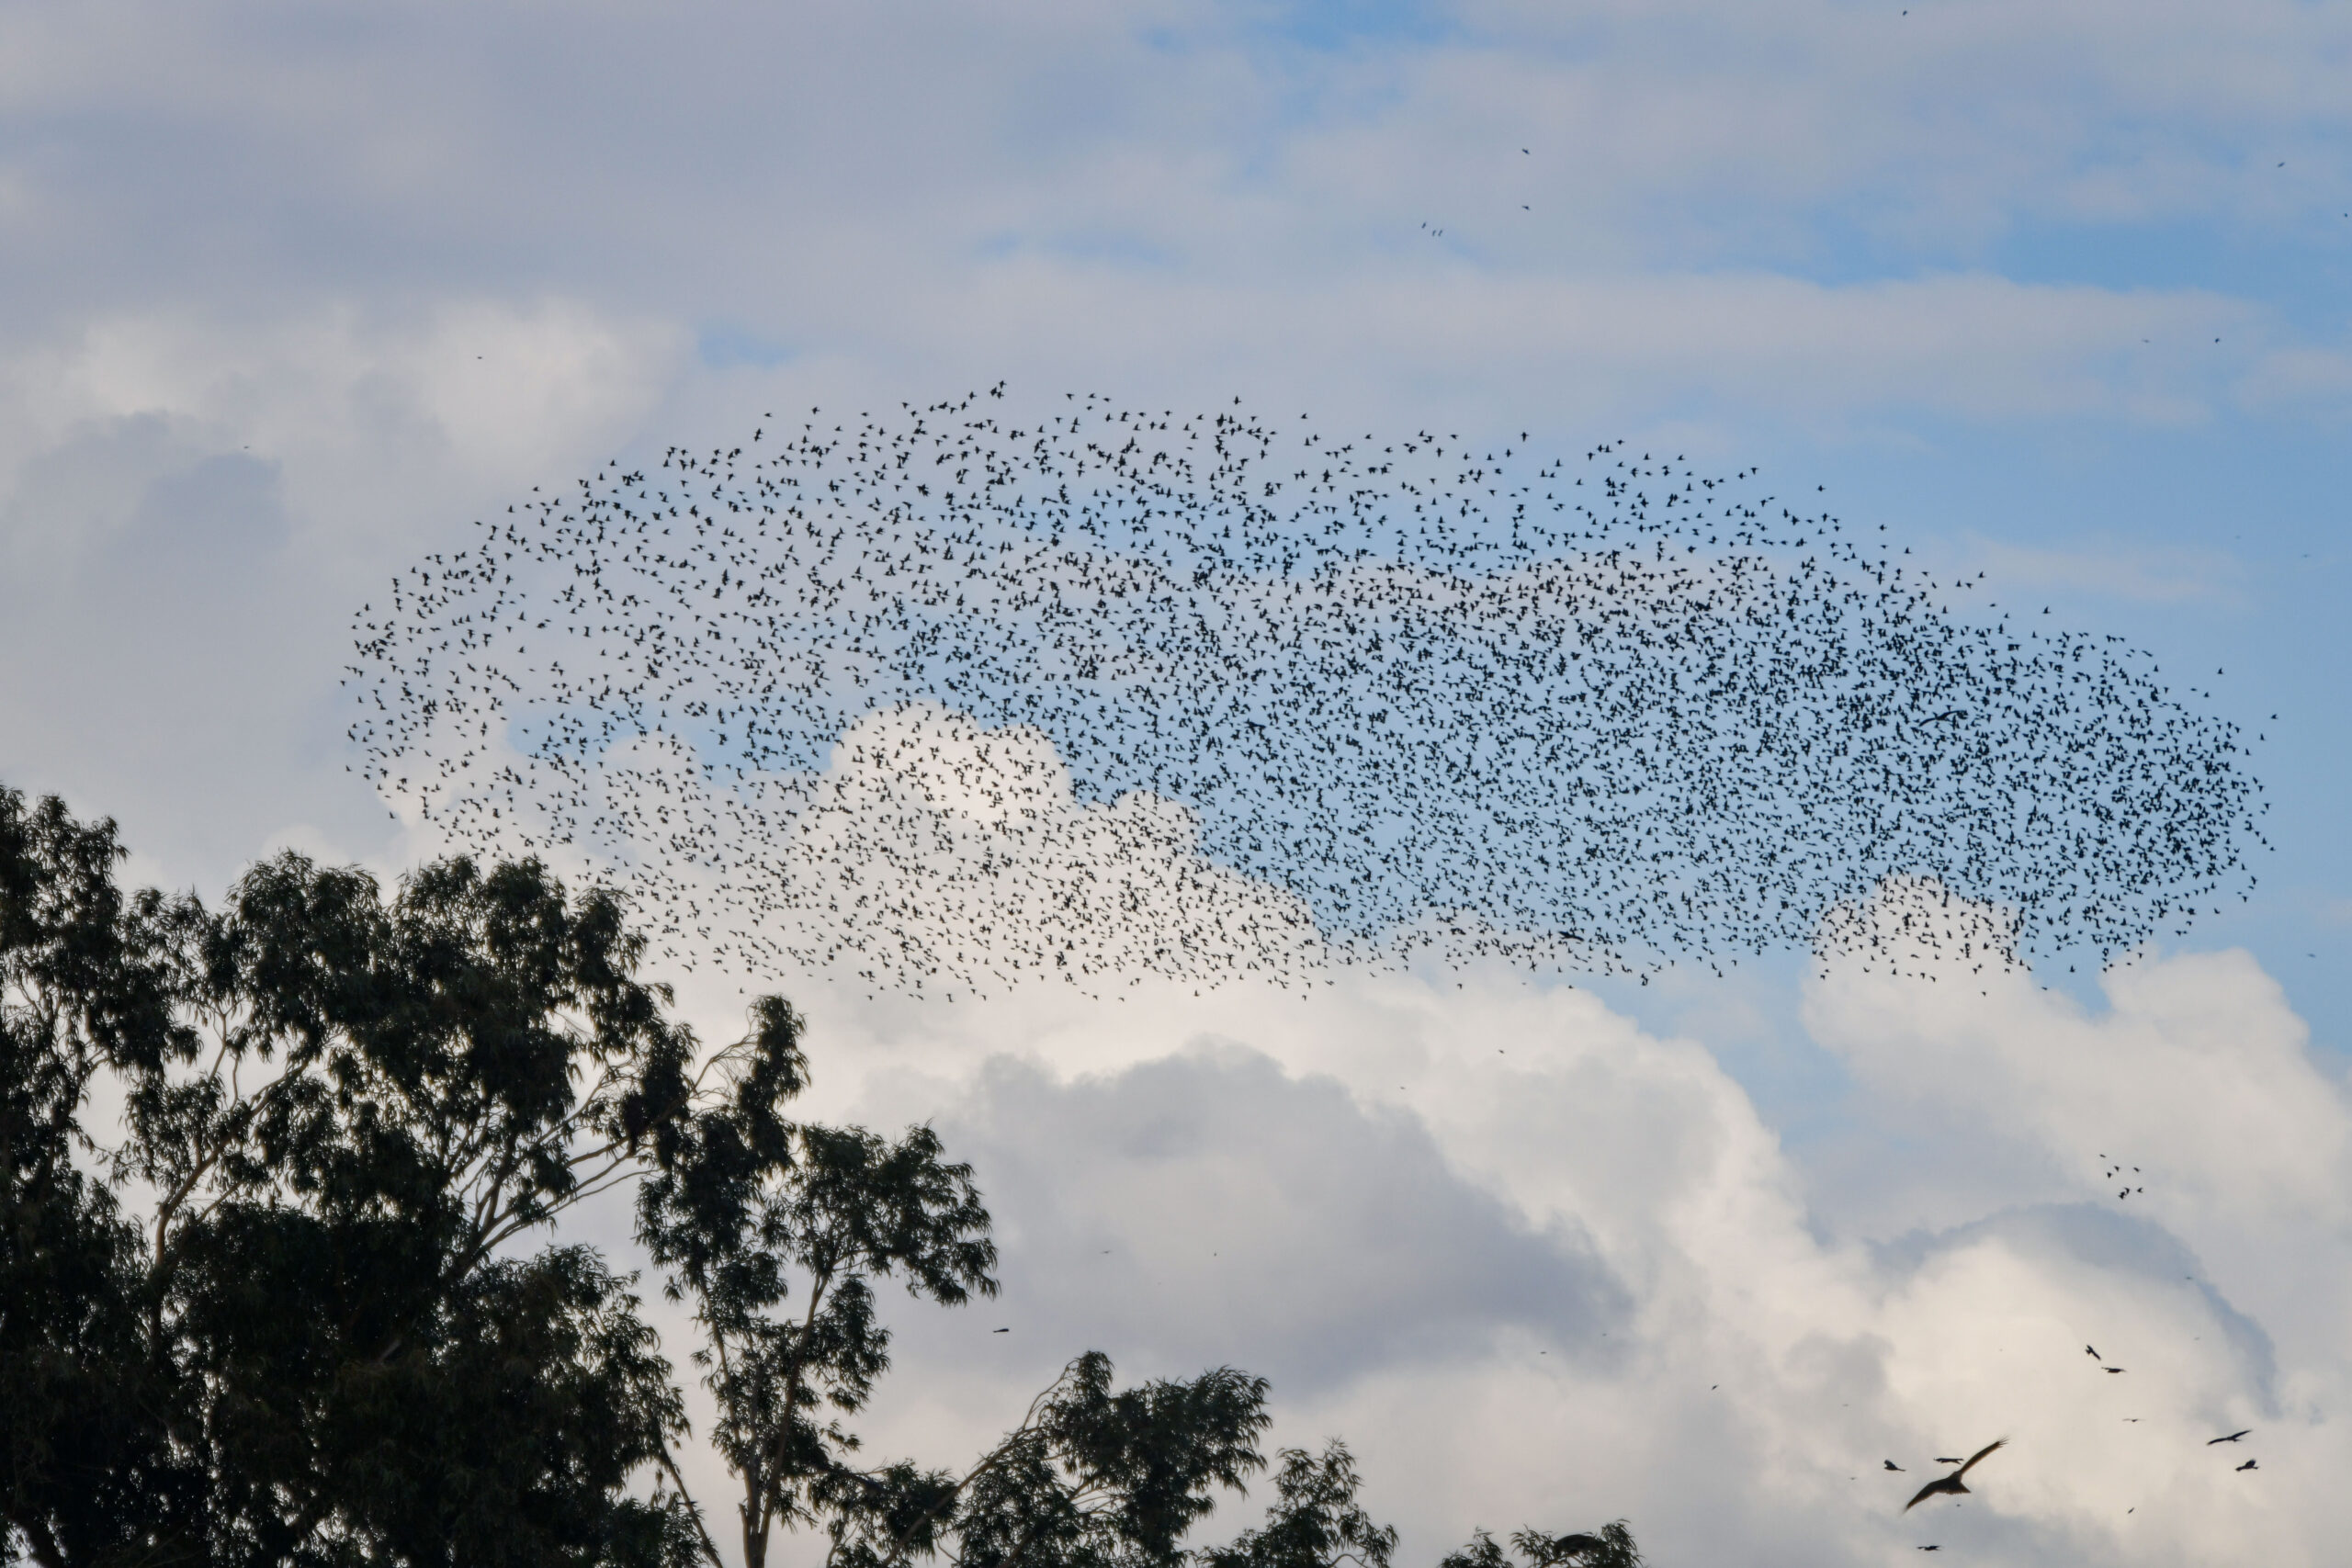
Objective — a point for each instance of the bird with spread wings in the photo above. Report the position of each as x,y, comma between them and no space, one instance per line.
1952,1483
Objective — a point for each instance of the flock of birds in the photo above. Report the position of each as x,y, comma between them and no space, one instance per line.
1954,1484
958,694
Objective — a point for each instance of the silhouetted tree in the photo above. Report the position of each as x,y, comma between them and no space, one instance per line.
1314,1521
287,1311
1611,1547
321,1341
776,1233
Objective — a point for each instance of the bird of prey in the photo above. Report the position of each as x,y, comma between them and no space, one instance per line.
2247,1465
2232,1438
1893,1466
1952,1482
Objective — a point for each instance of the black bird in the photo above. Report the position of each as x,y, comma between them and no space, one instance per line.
2232,1438
1892,1465
1952,1482
2110,1369
1000,1331
2247,1465
2094,1355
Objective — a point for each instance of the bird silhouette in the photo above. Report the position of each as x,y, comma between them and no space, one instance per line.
2232,1438
1952,1483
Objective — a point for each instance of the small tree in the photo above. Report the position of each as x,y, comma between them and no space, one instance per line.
776,1233
1093,1477
1611,1547
1314,1521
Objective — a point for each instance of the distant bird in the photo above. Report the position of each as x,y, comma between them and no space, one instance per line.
1000,1331
1892,1465
2094,1355
2232,1438
2247,1465
1952,1482
1942,1459
2110,1369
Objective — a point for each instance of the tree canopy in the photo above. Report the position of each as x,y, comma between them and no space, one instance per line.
307,1301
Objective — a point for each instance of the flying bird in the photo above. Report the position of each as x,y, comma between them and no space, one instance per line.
2232,1438
2247,1465
1892,1465
1952,1482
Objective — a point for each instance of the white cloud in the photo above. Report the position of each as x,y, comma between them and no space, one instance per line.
1540,1266
254,259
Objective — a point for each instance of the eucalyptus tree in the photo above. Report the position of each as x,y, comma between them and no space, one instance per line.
300,1303
287,1312
1314,1520
1611,1546
776,1233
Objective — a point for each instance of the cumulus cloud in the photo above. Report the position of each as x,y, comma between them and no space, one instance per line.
292,303
1539,1264
1572,1275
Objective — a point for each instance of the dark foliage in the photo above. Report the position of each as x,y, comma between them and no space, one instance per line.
289,1312
775,1232
1316,1521
319,1341
1095,1477
1611,1547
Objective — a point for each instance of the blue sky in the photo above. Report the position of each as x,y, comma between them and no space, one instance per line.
2060,292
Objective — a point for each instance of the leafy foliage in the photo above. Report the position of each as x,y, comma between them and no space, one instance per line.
318,1342
776,1233
292,1314
1611,1547
1094,1477
1316,1521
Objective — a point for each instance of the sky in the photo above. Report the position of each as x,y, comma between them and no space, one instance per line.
291,295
